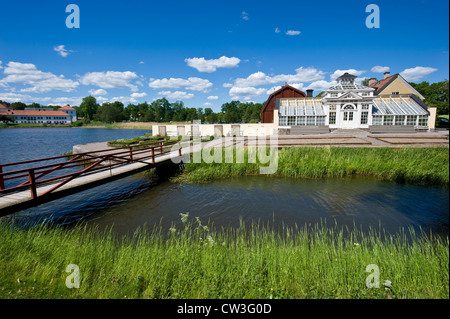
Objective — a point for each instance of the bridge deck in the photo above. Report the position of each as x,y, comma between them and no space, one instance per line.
13,202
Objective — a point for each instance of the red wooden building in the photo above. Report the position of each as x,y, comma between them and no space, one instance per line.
285,91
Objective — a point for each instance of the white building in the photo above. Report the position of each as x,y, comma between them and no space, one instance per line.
69,110
349,106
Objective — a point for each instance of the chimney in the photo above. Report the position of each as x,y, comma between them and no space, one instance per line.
387,74
309,93
372,81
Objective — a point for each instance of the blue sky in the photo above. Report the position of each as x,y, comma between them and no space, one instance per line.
206,53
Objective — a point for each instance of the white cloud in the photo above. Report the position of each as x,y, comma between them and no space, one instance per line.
141,62
40,82
62,51
177,95
415,74
45,100
138,95
207,104
212,97
321,85
110,79
338,73
123,99
98,92
227,85
292,32
244,15
380,69
260,78
192,83
209,66
277,30
246,92
273,89
1,65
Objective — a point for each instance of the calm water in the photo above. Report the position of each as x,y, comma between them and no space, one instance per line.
135,201
21,144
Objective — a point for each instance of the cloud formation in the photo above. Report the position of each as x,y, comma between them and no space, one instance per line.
39,81
209,66
177,95
292,32
415,74
62,51
192,83
110,79
380,69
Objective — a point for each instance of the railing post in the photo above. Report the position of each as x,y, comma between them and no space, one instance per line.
2,181
160,145
179,150
32,183
131,153
153,155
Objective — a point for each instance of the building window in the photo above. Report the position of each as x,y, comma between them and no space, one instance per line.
399,120
411,120
423,120
310,120
300,120
365,106
282,121
332,107
388,120
321,120
364,117
377,120
291,120
395,93
332,118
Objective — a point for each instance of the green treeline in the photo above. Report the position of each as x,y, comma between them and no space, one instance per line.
160,110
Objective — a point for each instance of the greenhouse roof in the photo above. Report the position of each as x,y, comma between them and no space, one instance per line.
397,105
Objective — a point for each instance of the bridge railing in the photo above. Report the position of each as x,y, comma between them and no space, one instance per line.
65,168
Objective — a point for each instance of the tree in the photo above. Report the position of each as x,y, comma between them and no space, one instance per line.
110,112
6,119
89,107
35,105
18,106
436,94
231,112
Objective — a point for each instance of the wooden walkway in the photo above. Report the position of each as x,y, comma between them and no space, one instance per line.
102,167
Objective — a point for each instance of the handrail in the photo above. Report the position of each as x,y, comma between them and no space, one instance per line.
91,161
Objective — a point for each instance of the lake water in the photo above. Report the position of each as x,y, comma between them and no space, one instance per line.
21,144
135,201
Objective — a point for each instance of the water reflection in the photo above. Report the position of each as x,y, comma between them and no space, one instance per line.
136,201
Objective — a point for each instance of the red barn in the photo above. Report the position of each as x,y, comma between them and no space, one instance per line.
285,91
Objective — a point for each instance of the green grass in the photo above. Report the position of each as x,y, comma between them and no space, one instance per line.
195,261
420,166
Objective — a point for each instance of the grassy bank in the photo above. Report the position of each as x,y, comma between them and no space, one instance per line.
420,166
197,262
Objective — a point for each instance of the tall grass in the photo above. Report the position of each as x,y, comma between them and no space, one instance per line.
196,261
420,166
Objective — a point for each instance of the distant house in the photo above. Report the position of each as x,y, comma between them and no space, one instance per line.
4,107
393,85
37,116
69,110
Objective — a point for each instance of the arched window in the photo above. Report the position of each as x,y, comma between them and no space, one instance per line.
349,107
